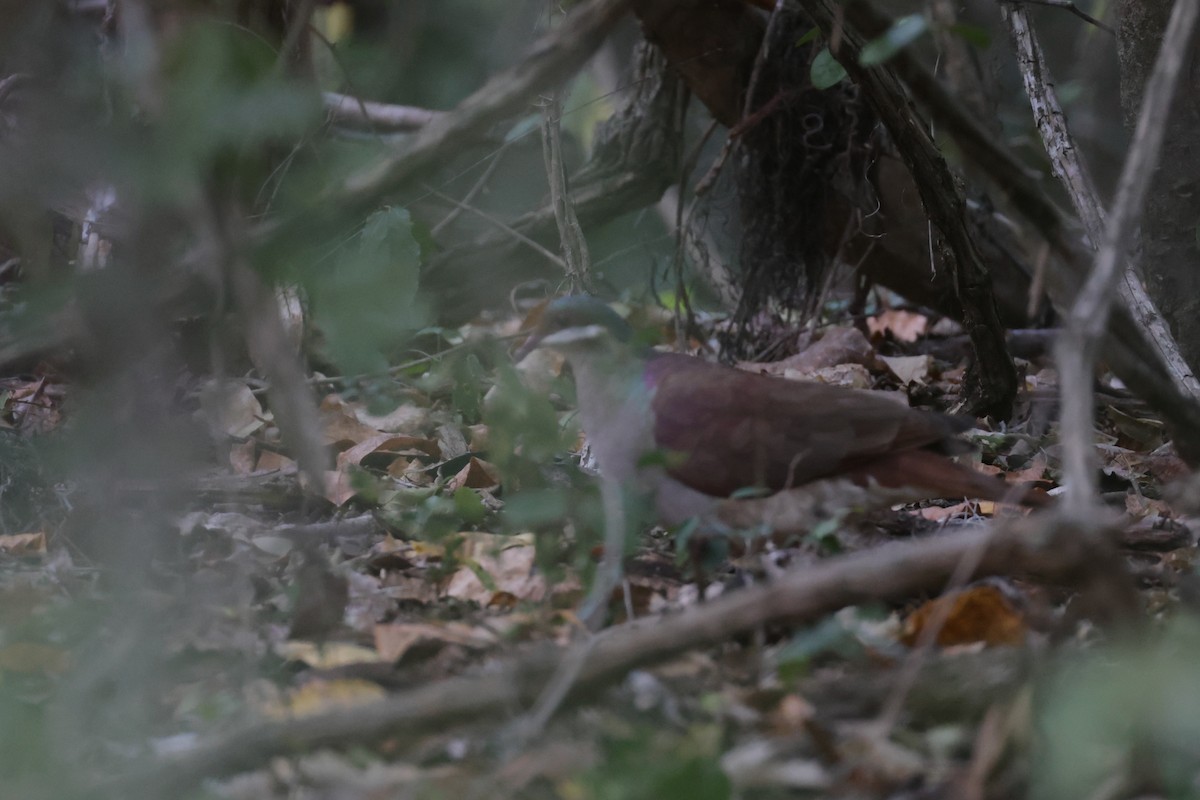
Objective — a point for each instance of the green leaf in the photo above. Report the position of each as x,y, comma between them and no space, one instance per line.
367,304
902,33
221,97
469,506
825,534
973,35
812,34
828,637
530,508
826,71
750,492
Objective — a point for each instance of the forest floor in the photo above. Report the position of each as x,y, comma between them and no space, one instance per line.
411,630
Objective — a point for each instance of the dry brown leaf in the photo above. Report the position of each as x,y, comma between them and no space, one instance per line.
478,438
337,488
477,474
1139,506
241,457
393,641
1166,466
409,588
270,461
909,369
401,467
940,514
979,613
1031,473
1136,433
387,443
317,696
1121,462
407,418
24,544
31,409
339,424
905,326
328,655
230,408
508,561
853,376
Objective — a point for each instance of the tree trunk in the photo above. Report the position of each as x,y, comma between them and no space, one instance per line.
1170,243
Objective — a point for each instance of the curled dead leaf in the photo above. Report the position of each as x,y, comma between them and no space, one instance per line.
393,641
477,474
981,613
24,544
904,326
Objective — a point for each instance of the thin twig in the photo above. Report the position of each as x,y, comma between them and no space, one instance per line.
570,232
529,727
297,28
504,226
1074,9
910,671
474,191
1076,349
557,54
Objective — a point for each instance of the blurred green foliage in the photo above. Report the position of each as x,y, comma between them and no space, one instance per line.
367,302
1129,711
648,763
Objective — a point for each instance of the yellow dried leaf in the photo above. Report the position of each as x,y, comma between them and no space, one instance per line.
24,544
31,657
977,614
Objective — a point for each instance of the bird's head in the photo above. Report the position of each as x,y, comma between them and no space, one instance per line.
577,325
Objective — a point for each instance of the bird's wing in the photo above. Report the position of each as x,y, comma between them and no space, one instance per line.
725,429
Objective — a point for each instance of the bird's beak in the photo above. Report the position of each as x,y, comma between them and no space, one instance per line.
532,343
567,338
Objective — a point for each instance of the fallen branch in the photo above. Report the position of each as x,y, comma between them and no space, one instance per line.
553,58
1046,547
354,112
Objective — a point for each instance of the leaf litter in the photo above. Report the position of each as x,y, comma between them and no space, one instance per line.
410,573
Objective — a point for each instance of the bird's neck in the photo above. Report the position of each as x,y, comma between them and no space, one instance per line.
614,409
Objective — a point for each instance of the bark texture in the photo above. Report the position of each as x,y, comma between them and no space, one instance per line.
1170,243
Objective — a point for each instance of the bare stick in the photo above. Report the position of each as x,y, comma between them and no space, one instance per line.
910,671
1037,546
470,196
502,225
570,233
1076,349
344,109
553,57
